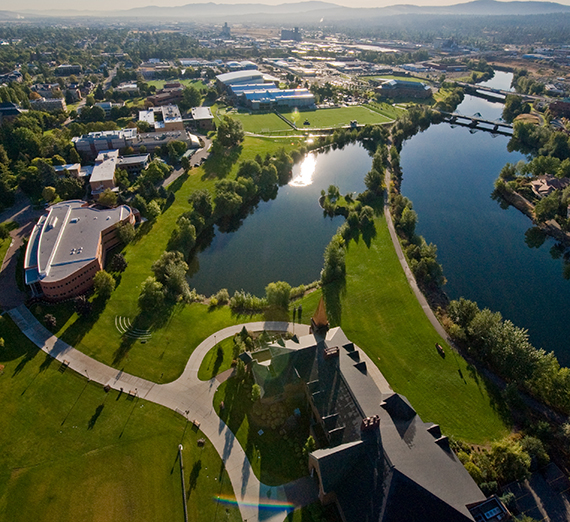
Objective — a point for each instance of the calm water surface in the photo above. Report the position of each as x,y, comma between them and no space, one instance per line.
284,239
449,175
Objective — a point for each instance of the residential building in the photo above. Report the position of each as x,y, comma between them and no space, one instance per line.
9,111
376,459
67,247
68,70
546,184
48,104
203,118
108,106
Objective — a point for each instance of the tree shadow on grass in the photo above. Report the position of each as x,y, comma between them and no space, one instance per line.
193,478
96,415
332,294
77,331
176,185
220,162
123,350
369,233
142,230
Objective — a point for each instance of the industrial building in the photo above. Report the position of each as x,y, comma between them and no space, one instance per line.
67,247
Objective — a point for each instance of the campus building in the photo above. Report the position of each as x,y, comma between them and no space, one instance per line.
68,246
202,118
170,94
165,118
396,88
376,459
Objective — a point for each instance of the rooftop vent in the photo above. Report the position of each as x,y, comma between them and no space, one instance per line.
331,352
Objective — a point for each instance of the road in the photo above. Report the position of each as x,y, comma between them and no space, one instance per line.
199,156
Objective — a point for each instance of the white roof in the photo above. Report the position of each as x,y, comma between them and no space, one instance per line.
202,113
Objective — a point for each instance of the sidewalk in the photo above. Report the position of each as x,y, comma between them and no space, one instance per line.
192,399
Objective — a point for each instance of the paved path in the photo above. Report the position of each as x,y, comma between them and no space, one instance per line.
411,279
201,154
23,213
193,399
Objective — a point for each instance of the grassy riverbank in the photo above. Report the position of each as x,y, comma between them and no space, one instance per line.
379,312
70,451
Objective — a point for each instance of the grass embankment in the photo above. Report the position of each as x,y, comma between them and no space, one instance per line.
5,243
379,312
163,357
70,451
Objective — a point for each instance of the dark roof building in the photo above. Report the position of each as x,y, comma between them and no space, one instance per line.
377,460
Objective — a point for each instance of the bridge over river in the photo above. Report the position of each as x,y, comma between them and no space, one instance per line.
479,123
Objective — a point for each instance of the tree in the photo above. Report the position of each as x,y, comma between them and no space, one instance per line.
183,237
230,132
514,106
170,270
153,210
335,263
547,207
119,263
125,232
152,295
309,446
201,200
190,98
509,460
48,193
255,393
104,284
107,198
82,305
175,149
278,294
50,321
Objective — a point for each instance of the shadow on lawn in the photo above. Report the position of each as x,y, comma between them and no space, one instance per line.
220,162
332,294
77,331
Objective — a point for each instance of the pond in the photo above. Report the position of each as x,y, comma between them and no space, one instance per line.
448,175
284,239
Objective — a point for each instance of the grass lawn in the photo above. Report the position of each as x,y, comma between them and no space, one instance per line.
379,312
339,117
275,459
261,123
159,84
217,360
70,451
176,334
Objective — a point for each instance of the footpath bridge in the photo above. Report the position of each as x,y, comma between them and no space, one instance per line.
478,123
474,89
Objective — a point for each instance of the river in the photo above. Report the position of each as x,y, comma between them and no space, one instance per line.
448,175
284,239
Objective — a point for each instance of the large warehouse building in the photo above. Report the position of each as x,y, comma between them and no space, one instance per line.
68,245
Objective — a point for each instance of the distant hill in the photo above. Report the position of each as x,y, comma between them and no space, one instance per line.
307,12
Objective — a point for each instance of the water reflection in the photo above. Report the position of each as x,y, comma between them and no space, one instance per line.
306,171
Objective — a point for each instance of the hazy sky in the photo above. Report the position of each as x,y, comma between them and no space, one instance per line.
101,5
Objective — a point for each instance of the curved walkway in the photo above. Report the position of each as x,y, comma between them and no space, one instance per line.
410,276
192,399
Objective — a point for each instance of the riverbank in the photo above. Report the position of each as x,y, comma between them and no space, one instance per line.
550,227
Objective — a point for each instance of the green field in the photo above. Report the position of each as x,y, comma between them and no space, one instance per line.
324,118
261,123
198,84
379,312
70,451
